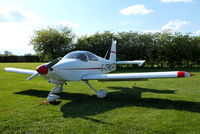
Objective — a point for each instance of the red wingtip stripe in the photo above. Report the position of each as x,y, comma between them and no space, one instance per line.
181,74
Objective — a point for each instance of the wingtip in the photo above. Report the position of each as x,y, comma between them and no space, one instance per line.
184,74
143,61
5,69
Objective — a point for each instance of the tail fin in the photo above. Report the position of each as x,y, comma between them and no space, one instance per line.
113,51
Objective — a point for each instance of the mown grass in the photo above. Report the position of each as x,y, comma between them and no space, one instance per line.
153,106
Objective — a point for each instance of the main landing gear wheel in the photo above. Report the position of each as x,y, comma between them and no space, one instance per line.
101,94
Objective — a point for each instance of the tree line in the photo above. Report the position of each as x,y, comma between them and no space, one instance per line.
161,49
158,49
8,56
15,58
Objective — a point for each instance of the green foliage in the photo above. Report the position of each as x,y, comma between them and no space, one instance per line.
162,49
98,43
51,43
159,49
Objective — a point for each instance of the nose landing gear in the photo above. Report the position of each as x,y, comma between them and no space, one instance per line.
53,94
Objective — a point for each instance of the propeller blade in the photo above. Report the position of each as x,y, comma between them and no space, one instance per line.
32,76
52,63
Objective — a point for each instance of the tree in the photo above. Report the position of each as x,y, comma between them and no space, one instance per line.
51,43
7,53
98,43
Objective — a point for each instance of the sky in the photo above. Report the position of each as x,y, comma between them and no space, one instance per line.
19,18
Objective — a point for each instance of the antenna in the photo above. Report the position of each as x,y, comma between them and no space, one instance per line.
106,54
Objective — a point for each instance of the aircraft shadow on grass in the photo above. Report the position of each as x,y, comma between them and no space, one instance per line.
83,105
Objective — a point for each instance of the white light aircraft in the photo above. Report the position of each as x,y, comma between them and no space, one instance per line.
85,66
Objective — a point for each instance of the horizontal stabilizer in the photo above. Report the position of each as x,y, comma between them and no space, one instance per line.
131,76
139,62
18,70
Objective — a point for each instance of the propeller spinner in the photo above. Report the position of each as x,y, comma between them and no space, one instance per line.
43,69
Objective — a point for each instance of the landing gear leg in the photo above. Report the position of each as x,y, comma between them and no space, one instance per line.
100,93
52,95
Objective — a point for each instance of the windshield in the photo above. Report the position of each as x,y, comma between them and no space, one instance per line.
91,56
81,55
76,55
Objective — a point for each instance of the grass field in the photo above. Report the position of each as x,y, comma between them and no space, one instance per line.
153,106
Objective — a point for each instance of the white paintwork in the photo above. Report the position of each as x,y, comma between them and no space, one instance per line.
138,62
32,76
101,93
83,65
113,51
52,97
127,76
18,70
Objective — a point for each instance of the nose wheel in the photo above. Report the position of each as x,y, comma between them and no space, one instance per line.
52,97
100,93
53,94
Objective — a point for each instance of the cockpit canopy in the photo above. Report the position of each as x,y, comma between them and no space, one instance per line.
81,55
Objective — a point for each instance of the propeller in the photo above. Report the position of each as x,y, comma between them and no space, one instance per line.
43,69
52,63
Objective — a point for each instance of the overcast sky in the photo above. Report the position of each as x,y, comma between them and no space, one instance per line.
19,18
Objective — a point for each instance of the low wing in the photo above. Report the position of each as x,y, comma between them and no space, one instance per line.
18,70
132,76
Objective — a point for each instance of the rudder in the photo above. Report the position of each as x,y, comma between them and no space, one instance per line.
113,51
